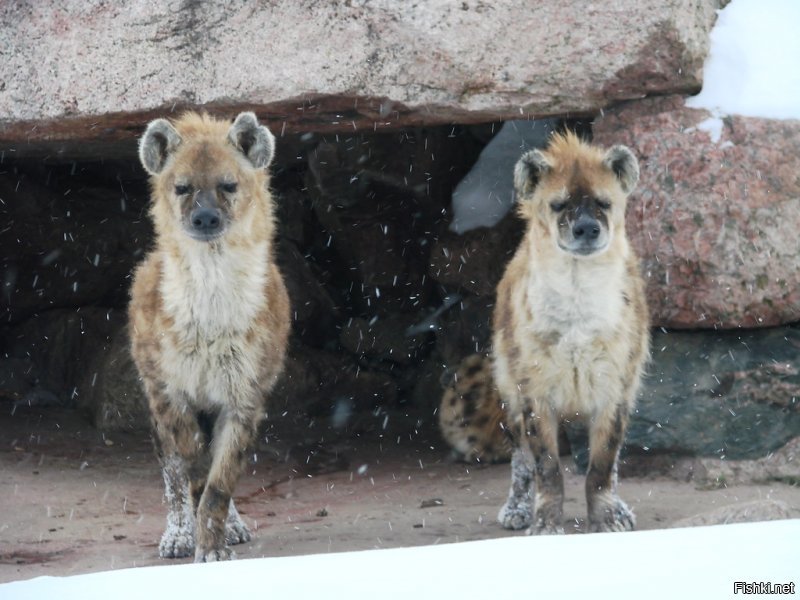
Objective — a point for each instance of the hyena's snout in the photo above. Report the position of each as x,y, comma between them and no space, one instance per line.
584,234
205,219
586,230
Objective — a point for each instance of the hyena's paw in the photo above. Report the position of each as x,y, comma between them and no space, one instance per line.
214,554
236,532
515,514
548,519
611,514
544,527
177,542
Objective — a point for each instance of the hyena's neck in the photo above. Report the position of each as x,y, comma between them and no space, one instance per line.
214,289
574,292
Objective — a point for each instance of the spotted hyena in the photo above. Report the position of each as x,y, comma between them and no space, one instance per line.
570,329
471,415
209,319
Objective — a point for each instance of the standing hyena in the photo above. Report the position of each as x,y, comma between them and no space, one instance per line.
570,329
209,319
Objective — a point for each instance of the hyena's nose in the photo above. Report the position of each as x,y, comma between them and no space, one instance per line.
206,220
586,229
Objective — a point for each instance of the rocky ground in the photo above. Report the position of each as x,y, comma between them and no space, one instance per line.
76,501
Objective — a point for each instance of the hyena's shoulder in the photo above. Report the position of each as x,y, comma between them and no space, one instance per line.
471,414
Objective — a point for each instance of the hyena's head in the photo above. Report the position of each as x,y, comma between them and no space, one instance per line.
208,176
574,193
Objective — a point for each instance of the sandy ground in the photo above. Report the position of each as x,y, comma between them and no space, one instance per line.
76,501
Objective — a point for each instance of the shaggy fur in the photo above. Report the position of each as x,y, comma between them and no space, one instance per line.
471,415
209,319
570,329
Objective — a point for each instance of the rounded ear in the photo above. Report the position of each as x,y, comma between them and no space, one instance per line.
528,171
621,161
255,141
160,139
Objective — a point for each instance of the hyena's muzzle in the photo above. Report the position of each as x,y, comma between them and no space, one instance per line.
583,225
203,216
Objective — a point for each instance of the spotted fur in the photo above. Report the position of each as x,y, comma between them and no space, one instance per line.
570,329
209,319
471,414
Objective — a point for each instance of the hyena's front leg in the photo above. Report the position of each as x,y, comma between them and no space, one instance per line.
517,512
179,446
536,456
234,432
236,531
548,517
607,512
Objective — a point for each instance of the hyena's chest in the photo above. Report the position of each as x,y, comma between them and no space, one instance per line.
573,345
213,351
211,371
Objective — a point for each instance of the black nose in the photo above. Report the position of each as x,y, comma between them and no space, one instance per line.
586,228
205,220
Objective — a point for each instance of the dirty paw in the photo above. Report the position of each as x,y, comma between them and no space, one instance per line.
515,515
612,514
176,544
236,532
214,555
544,527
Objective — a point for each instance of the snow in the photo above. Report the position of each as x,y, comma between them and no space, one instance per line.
713,127
700,562
753,66
486,193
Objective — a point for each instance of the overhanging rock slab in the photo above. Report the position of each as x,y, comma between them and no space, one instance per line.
83,77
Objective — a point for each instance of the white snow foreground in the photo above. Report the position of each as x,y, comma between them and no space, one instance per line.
486,193
699,562
753,64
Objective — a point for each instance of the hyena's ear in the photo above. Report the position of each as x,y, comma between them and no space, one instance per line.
255,141
621,161
528,171
160,139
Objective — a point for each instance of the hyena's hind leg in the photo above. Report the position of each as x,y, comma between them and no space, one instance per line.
607,511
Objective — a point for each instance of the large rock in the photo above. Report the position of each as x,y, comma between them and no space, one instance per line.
109,390
57,348
384,339
783,465
321,382
475,261
732,395
744,512
69,236
715,220
97,71
380,199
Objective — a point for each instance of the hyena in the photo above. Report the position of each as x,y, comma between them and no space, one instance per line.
471,415
209,319
570,329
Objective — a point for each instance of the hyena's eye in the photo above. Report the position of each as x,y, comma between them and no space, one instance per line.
182,190
558,206
604,204
229,188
